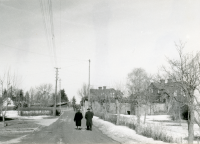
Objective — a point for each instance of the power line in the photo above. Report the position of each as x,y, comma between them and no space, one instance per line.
47,22
11,47
70,65
47,13
52,31
60,29
45,25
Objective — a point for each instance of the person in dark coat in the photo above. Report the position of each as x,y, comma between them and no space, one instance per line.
88,117
77,118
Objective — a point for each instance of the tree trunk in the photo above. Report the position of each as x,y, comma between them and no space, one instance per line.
150,108
145,113
105,112
138,114
83,108
3,119
117,107
191,122
125,109
179,115
5,115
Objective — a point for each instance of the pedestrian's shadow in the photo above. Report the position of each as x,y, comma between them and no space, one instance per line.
78,128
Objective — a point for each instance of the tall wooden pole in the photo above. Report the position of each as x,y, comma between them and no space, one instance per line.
60,94
89,99
54,110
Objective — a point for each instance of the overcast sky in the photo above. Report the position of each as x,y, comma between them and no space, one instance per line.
117,36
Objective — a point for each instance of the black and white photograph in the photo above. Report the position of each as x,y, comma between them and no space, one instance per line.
99,71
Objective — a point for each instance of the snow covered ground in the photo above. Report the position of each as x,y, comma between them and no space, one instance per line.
42,120
172,128
122,134
126,135
14,114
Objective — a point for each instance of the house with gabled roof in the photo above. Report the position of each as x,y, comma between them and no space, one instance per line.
8,102
164,92
103,94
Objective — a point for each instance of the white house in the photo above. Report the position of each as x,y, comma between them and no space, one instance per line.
8,101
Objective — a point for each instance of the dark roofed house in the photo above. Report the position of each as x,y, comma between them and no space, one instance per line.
105,99
158,90
101,94
155,90
164,92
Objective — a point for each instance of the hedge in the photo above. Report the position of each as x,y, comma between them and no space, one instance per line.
35,111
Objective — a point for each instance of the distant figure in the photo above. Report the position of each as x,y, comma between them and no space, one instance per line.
88,117
77,118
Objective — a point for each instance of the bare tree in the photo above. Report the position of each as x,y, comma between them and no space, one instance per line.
121,91
43,94
186,72
9,82
32,92
2,80
137,84
83,92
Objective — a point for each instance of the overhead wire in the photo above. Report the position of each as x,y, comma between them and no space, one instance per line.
71,65
60,31
11,47
49,31
52,30
45,26
46,8
47,15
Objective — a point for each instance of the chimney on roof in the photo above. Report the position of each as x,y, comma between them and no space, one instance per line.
100,88
169,80
162,81
104,87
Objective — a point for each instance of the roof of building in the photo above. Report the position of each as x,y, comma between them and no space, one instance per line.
169,85
158,85
102,91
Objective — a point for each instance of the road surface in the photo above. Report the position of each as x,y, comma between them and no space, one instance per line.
64,131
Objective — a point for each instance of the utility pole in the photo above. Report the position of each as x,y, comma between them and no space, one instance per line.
54,110
89,99
60,93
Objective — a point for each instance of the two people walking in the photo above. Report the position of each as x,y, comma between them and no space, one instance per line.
88,116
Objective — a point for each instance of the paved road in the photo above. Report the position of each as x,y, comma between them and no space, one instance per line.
64,131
